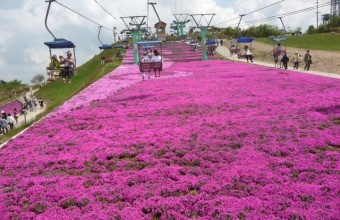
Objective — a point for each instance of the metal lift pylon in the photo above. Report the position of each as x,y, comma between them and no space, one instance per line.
134,25
180,21
203,29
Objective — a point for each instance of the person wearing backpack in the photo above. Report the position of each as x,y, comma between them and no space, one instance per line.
285,60
308,60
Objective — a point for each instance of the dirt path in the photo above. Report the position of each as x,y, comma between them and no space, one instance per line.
324,61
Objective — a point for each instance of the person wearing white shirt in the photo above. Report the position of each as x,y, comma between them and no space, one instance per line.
10,121
156,58
248,54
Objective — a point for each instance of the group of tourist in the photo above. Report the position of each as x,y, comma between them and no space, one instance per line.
281,58
64,67
9,121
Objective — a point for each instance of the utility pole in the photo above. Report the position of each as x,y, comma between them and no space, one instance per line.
114,34
147,17
317,13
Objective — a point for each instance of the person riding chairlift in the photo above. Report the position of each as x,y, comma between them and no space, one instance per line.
68,67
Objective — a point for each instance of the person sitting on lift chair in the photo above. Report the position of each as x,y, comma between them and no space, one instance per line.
68,67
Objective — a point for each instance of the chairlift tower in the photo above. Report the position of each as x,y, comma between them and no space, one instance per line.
134,24
180,21
203,26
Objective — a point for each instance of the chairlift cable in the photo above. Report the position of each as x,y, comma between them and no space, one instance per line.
83,16
283,15
264,7
108,13
251,12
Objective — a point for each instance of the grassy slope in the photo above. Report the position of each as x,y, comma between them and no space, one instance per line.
56,93
313,41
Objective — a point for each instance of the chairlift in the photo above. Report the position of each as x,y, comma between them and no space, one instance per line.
278,50
211,47
247,41
145,45
193,45
148,66
104,47
242,40
58,43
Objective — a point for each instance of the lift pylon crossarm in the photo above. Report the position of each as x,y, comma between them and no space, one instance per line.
181,18
202,16
134,21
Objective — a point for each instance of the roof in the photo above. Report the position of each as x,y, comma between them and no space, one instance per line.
147,47
245,40
60,44
210,42
161,24
120,46
279,39
144,43
105,46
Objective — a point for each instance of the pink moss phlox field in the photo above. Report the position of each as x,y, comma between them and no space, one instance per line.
206,140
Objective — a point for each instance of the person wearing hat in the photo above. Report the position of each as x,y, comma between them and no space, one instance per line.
54,68
296,60
3,115
308,60
68,67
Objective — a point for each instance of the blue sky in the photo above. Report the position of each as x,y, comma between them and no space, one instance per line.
22,28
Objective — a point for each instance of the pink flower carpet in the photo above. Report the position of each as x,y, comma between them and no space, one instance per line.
206,140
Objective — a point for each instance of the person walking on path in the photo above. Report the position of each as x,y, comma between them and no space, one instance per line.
248,54
308,60
296,60
285,60
16,115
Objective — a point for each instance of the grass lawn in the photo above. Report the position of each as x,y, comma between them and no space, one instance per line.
312,41
57,92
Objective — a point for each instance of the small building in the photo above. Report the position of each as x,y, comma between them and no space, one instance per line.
160,30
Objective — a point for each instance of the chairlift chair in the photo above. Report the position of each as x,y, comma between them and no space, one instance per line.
211,47
58,43
193,45
104,47
149,66
243,40
277,53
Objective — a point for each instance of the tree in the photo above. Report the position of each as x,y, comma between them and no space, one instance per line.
311,29
37,79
